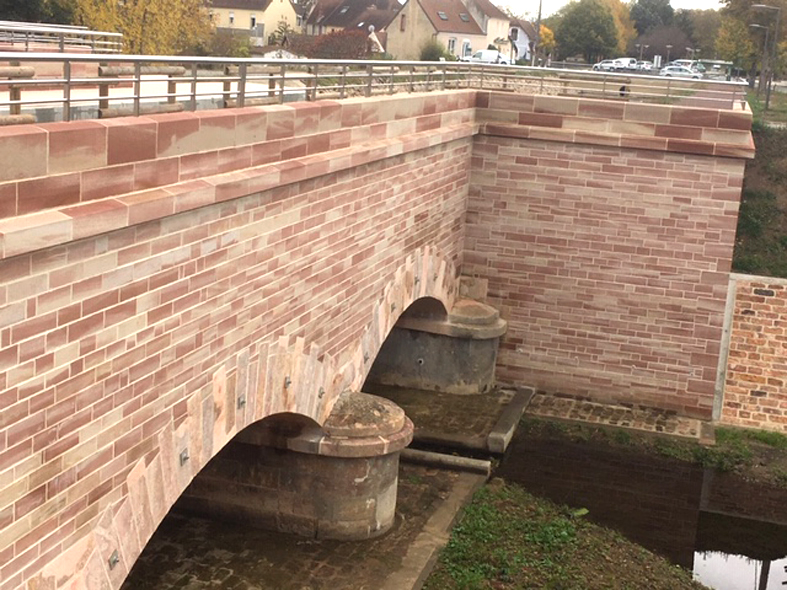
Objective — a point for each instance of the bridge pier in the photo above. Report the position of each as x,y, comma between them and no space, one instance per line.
334,482
455,353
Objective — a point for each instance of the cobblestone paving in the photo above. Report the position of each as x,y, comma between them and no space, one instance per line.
188,553
635,417
470,417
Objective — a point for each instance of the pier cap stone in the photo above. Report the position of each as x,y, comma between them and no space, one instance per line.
357,414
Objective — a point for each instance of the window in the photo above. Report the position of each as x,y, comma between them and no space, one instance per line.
344,9
298,20
403,23
464,16
253,21
442,15
467,49
232,18
452,46
514,34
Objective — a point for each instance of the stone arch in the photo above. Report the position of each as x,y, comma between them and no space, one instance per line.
287,376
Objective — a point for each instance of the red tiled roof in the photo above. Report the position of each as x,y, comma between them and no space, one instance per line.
260,5
435,10
491,10
352,14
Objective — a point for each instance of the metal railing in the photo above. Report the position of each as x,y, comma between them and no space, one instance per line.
92,86
44,37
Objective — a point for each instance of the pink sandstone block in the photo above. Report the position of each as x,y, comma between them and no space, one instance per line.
266,153
694,117
23,151
678,132
178,133
217,129
48,192
35,231
541,120
7,199
107,182
148,205
234,158
91,219
195,166
156,173
307,118
251,125
330,115
281,121
690,147
647,113
740,120
131,139
76,146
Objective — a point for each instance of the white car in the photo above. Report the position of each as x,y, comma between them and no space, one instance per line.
487,56
679,72
645,66
606,65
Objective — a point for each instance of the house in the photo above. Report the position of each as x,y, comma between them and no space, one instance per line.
327,16
493,22
260,18
447,21
523,36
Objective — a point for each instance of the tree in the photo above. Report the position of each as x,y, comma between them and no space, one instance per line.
649,14
283,31
660,37
546,40
48,11
339,45
588,29
624,26
161,27
702,27
734,43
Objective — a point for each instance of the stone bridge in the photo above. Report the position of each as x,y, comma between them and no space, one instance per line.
169,280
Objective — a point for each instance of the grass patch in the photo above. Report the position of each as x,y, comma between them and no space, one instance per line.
510,539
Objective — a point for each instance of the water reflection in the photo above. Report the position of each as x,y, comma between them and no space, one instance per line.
717,525
723,571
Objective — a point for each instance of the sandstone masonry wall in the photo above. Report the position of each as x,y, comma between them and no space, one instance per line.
608,259
132,324
755,389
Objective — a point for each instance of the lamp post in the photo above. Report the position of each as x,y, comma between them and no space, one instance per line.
637,46
763,60
691,53
774,47
669,47
538,36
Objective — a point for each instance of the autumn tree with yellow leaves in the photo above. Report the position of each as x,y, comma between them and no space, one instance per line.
153,27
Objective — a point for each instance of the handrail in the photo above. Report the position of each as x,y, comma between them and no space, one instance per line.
65,37
107,86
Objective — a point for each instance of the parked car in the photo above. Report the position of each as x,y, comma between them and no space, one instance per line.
645,66
680,72
688,63
487,56
605,65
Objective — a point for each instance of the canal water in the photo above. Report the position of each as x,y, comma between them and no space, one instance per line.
731,533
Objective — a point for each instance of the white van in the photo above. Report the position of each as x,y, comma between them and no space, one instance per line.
625,63
487,56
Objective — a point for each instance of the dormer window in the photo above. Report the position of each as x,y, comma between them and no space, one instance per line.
442,15
464,16
344,9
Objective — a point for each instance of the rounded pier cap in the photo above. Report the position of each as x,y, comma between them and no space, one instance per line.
357,414
474,313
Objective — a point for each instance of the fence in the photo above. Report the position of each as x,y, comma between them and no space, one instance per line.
93,86
42,37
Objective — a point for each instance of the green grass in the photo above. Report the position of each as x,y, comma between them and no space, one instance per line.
777,108
510,539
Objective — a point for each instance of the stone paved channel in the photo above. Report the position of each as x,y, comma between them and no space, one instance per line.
190,553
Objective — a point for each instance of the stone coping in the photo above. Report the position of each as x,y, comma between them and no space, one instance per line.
52,227
85,178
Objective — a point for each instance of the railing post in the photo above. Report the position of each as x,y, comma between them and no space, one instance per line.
242,86
226,88
137,88
369,74
342,89
391,87
62,42
67,91
193,98
283,77
27,41
444,69
312,95
15,94
172,90
103,92
412,78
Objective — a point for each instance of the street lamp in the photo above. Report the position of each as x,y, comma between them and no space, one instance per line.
669,47
637,47
774,46
691,53
763,61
